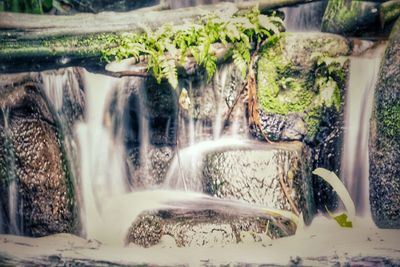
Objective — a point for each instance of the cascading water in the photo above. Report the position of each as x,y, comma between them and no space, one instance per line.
185,170
358,108
306,17
101,157
14,212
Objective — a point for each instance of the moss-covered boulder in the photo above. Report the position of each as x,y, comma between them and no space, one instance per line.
301,81
358,17
349,17
385,139
299,77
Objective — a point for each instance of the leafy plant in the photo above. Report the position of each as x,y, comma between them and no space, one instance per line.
27,6
168,47
329,74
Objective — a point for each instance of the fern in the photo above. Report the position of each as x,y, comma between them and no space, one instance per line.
169,46
169,71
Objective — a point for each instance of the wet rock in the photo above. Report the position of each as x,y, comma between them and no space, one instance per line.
151,170
215,98
31,156
294,86
384,153
263,175
301,83
206,227
286,128
350,17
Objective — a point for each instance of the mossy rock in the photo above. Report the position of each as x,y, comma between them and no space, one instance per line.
351,17
385,139
303,74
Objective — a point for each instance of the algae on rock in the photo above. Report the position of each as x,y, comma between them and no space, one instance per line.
384,146
302,73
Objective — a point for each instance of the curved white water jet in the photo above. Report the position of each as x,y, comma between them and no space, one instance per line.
358,107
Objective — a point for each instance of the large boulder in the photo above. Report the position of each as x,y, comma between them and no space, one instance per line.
301,82
209,226
294,84
36,182
358,17
274,176
385,139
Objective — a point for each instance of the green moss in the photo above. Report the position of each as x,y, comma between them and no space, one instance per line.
340,14
284,89
389,121
77,46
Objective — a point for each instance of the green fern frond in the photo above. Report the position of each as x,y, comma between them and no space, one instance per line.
169,71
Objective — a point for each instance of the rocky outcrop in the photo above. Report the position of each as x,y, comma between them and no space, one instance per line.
32,158
385,139
274,176
294,86
206,227
301,83
358,17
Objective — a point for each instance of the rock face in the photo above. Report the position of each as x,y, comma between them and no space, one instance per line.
359,17
205,228
148,126
294,87
385,139
301,82
350,17
275,176
32,159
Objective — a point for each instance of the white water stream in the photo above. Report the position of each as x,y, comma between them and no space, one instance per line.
358,107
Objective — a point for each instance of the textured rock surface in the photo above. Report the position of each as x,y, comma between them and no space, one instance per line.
385,139
216,97
256,175
294,89
301,84
205,228
153,170
31,155
352,17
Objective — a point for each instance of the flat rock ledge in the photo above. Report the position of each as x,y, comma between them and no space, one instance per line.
205,228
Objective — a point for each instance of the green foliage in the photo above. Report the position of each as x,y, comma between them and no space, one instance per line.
25,6
169,46
343,220
283,88
389,121
329,74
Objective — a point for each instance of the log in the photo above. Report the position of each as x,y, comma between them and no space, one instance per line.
17,26
38,42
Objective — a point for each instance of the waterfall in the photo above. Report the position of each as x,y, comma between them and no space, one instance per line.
101,157
306,17
204,137
14,207
358,107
